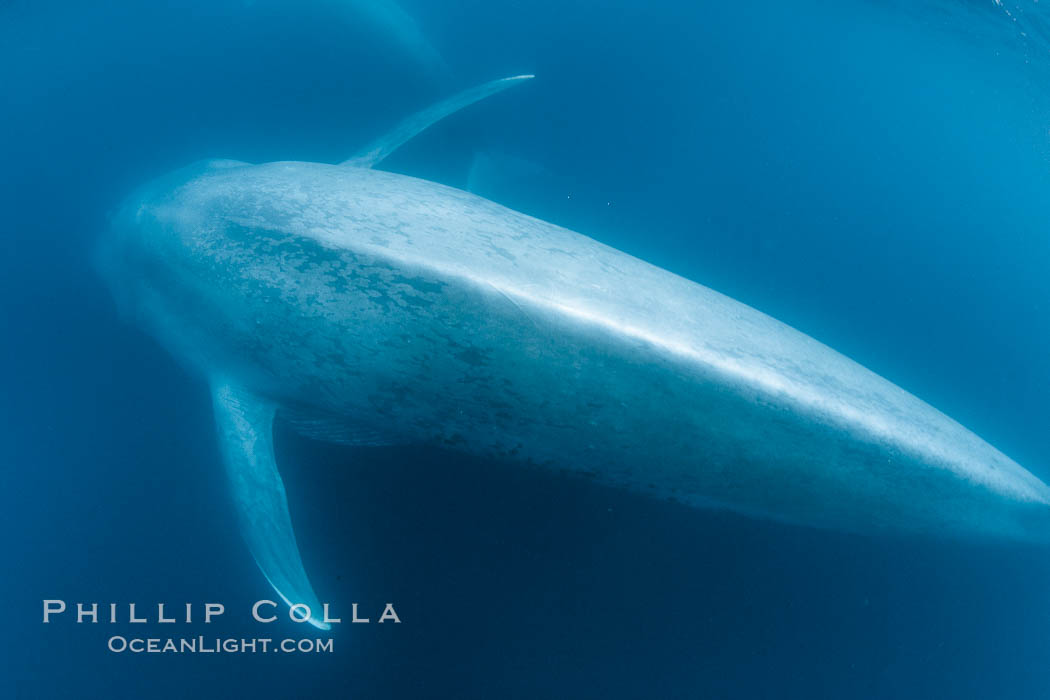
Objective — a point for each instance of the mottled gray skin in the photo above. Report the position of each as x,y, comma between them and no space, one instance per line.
413,312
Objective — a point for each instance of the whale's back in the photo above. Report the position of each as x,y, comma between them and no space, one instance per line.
723,403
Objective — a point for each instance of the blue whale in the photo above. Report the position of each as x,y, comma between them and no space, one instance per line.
369,308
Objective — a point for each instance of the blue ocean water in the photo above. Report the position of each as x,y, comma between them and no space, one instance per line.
872,173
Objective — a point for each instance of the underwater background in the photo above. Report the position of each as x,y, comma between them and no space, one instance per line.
876,174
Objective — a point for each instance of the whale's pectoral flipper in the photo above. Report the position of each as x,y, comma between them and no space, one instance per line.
245,423
382,147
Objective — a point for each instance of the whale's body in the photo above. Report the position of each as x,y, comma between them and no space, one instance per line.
390,23
375,308
390,20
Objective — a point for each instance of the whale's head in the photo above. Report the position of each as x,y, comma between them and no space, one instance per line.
148,259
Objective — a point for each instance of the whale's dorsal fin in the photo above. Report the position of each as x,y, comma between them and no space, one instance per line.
382,147
245,424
